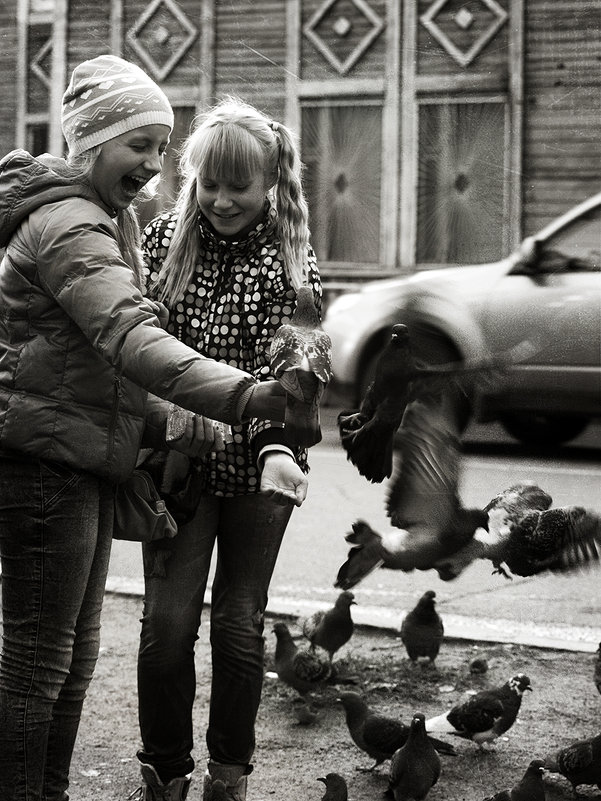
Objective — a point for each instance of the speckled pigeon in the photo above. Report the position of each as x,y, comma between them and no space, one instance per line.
579,762
300,359
303,670
332,628
486,715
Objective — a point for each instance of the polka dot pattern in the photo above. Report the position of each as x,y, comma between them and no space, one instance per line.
238,298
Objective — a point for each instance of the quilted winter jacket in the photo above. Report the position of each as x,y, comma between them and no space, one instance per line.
80,347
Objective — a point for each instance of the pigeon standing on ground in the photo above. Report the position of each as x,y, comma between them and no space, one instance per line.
376,734
597,669
414,768
303,670
529,788
423,502
422,629
333,628
485,715
304,711
579,762
336,789
301,360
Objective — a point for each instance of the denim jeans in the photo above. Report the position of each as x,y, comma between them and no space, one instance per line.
248,530
55,539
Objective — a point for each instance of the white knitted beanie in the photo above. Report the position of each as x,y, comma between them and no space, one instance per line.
106,97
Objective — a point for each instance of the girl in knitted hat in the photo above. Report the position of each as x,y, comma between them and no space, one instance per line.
81,349
227,262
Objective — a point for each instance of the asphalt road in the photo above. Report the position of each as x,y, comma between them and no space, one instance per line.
548,611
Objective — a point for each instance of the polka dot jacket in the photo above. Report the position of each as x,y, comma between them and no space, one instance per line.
238,298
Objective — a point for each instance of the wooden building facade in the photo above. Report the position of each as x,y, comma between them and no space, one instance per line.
432,131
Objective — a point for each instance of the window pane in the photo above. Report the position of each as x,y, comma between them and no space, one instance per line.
341,151
460,215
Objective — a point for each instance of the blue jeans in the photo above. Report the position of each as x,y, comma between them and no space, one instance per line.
55,539
248,530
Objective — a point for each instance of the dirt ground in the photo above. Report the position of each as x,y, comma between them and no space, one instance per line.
563,706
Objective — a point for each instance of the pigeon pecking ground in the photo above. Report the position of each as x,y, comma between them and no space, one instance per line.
563,706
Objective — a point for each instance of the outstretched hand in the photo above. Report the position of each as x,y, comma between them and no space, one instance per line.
282,479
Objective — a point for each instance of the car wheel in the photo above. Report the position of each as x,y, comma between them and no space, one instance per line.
534,428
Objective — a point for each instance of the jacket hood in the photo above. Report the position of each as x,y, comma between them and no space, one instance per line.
26,183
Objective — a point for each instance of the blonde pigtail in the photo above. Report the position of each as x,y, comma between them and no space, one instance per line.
293,212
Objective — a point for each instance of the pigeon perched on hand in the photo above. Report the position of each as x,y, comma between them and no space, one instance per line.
336,789
301,360
303,670
484,716
376,734
579,762
423,502
529,788
414,768
333,628
422,629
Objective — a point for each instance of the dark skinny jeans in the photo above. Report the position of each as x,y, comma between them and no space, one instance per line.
248,530
55,539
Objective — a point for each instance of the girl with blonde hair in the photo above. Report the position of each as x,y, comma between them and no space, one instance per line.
227,262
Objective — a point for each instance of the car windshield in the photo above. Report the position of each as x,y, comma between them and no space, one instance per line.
577,247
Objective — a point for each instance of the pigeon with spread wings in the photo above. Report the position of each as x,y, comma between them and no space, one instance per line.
423,503
300,359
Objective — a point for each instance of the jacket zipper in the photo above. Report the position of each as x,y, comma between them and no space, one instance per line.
118,391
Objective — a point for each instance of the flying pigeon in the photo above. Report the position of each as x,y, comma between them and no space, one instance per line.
529,788
597,669
415,767
579,762
367,435
300,359
485,715
303,670
423,502
422,629
376,734
333,628
336,789
528,537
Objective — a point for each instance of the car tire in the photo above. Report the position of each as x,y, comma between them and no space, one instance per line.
534,428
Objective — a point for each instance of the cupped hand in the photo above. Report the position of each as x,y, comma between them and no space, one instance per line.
282,479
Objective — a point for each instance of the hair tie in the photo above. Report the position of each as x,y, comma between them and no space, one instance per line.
275,126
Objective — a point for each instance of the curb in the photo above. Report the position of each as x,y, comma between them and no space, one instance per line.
555,637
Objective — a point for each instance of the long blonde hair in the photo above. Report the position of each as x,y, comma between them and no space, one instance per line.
128,229
234,140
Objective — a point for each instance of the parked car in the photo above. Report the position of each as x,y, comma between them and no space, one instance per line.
547,293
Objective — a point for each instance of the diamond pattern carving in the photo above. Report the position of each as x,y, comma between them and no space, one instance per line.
464,21
161,36
37,63
329,19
